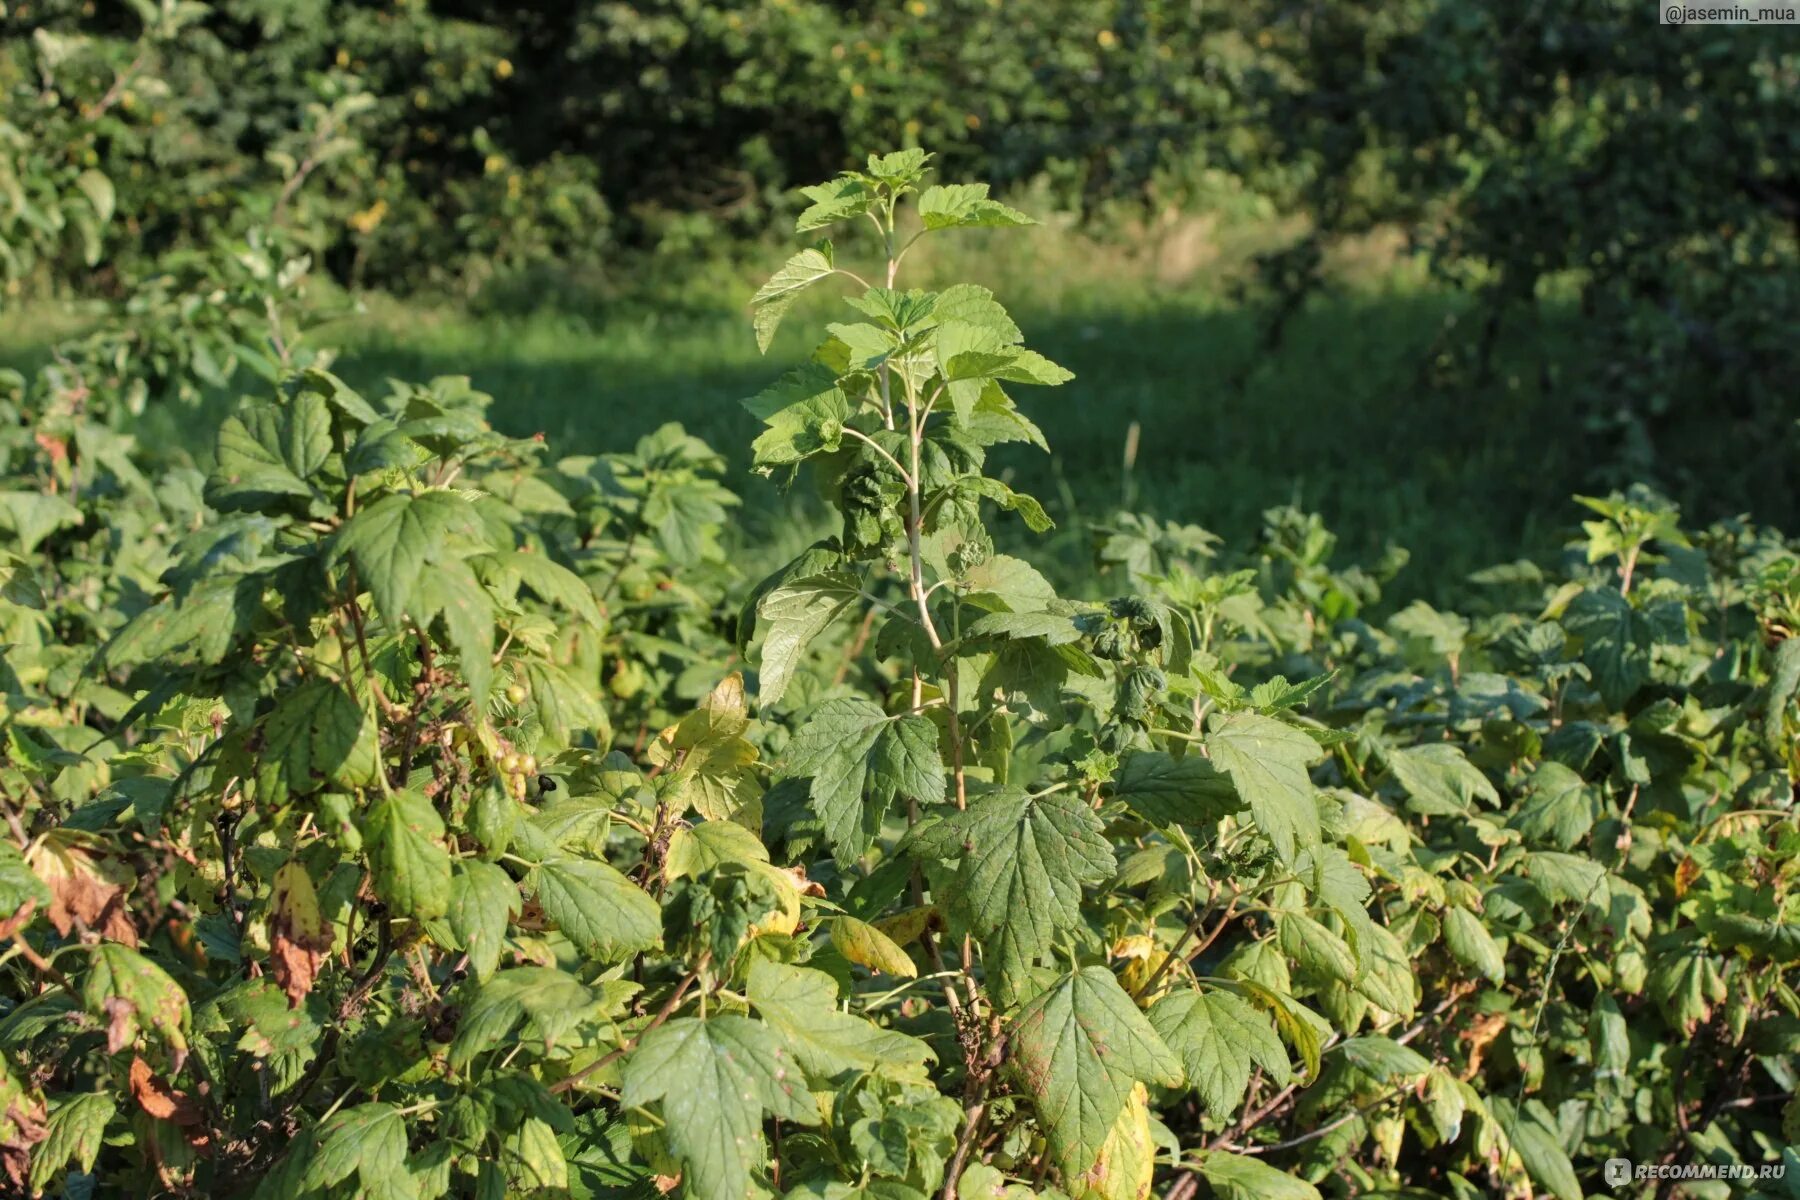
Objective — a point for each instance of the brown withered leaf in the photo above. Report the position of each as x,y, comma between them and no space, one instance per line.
18,920
121,1023
164,1103
22,1126
301,938
85,889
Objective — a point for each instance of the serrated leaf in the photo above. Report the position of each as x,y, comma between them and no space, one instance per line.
1267,761
483,900
1218,1037
131,995
1558,809
802,1004
1617,639
554,1001
1439,779
714,1079
795,612
867,946
19,884
368,1141
775,297
833,201
714,767
392,539
564,706
860,760
1384,1059
804,413
1384,973
1318,951
966,206
1240,1177
605,914
1164,789
1473,945
1022,864
318,734
409,867
71,1136
1126,1164
269,453
1534,1135
1077,1050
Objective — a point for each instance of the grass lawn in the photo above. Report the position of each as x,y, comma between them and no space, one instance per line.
1335,419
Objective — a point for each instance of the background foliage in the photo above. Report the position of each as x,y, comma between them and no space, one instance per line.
402,802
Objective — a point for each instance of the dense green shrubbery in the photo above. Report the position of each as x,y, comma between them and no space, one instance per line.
388,816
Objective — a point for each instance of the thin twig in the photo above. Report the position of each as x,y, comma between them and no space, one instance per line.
629,1044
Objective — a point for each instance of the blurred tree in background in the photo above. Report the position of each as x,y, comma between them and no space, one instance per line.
1568,160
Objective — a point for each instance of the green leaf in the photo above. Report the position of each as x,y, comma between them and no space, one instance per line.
1077,1049
1022,862
714,766
1533,1133
699,848
860,760
802,1004
1384,1059
605,914
775,297
34,516
1267,761
966,205
1384,973
900,169
1240,1177
1439,779
19,884
483,900
1473,945
318,734
1002,581
715,1078
552,582
130,994
1319,952
1617,640
449,590
797,611
99,192
1218,1036
1563,877
269,453
834,201
71,1135
408,865
1165,789
554,1001
540,1165
392,539
805,413
564,706
1559,808
368,1141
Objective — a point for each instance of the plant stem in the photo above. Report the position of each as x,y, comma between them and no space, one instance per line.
625,1047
